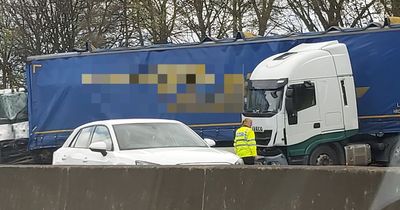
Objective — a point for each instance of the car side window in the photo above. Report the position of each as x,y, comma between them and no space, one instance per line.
83,139
101,133
71,144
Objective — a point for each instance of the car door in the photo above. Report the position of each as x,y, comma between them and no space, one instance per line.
74,154
101,134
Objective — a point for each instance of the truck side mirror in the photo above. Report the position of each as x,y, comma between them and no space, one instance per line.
308,84
290,106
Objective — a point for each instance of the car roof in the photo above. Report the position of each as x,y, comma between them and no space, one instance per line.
129,121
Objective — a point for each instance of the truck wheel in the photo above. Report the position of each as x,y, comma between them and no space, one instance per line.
395,155
43,157
324,155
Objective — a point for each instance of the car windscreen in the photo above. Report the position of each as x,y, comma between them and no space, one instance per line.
156,135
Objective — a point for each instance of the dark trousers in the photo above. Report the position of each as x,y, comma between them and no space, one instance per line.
248,160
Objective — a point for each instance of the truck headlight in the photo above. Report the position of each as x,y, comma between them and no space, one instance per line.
144,163
239,162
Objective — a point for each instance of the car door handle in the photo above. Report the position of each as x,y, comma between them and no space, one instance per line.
85,159
317,125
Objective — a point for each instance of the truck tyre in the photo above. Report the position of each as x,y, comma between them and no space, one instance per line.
395,155
43,157
324,155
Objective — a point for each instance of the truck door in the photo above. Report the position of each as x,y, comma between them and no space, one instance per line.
302,118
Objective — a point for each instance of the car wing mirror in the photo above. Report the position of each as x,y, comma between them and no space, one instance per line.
210,142
99,147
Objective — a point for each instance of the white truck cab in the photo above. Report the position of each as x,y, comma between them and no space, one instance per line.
302,99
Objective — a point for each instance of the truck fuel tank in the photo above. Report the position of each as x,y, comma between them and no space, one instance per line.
358,154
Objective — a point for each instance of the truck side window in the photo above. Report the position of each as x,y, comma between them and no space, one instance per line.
344,92
82,141
304,96
101,133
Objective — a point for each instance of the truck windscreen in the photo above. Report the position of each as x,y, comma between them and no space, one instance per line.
264,97
262,101
13,107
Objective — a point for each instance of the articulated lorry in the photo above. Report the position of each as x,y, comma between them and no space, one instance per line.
301,101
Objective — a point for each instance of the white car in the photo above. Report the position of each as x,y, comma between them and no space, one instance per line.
139,142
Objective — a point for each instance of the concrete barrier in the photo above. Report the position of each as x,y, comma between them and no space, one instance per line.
236,187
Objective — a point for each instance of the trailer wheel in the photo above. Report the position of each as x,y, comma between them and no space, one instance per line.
324,155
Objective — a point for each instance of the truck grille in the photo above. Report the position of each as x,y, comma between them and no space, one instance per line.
263,138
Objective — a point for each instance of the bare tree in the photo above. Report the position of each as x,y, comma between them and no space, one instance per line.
396,7
358,13
11,66
126,30
99,19
7,49
199,16
237,10
30,27
62,23
302,9
392,7
205,17
263,10
44,26
159,19
330,12
284,20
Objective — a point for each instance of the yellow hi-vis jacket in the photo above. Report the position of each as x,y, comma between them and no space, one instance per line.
245,142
